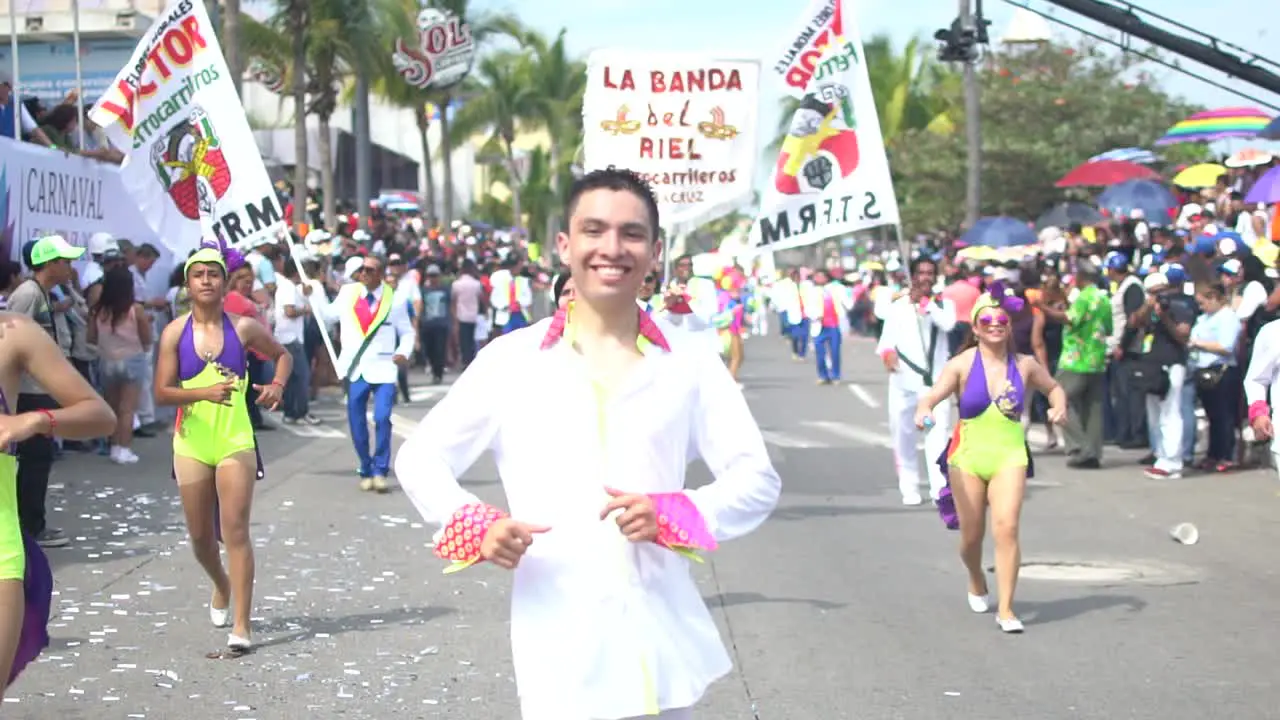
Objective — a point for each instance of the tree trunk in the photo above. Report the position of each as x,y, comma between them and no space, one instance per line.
517,183
298,25
427,204
446,157
553,214
325,151
231,41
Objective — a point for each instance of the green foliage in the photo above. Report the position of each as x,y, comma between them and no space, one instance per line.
1044,111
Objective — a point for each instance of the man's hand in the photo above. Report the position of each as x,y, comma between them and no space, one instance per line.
890,360
1262,427
638,519
400,360
506,541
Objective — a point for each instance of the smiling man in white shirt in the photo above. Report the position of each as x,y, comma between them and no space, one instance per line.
607,621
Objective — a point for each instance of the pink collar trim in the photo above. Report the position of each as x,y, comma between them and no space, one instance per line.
649,331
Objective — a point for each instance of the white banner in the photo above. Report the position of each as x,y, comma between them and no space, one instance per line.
193,166
686,123
832,176
45,191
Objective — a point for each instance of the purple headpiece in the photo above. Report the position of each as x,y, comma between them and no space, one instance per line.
232,257
998,295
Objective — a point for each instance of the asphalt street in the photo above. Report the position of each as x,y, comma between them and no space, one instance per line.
844,605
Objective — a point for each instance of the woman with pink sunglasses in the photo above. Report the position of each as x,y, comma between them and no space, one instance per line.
987,462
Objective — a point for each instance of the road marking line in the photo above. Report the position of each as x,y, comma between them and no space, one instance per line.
315,432
863,395
783,440
850,432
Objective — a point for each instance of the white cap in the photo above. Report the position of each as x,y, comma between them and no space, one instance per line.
315,237
1155,281
353,266
360,236
101,242
1227,246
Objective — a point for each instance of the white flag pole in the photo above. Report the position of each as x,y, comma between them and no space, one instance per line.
317,311
13,55
75,41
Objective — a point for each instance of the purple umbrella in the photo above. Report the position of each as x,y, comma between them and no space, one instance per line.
1272,131
1267,188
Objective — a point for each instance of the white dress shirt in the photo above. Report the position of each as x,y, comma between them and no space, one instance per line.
376,365
597,622
500,295
907,331
1264,373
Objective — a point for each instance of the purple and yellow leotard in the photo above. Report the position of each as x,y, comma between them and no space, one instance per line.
989,437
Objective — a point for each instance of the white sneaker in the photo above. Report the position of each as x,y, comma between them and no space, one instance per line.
123,456
912,499
980,603
1013,625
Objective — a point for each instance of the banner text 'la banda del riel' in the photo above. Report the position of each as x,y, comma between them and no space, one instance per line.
193,166
831,177
686,123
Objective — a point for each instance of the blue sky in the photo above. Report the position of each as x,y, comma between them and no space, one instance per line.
750,28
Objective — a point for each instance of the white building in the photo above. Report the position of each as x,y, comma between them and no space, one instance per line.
109,32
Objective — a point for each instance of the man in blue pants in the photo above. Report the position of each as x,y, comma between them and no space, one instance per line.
377,338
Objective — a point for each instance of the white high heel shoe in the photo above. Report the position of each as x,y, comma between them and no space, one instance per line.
220,617
1012,625
980,603
238,643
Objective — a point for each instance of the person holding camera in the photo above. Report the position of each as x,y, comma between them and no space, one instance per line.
1166,328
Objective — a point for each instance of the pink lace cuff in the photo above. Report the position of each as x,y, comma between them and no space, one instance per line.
681,527
1258,409
459,540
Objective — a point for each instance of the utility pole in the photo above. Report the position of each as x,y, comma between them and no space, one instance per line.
961,43
972,122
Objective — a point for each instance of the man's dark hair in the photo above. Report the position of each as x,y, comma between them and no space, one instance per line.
148,250
558,287
618,180
922,260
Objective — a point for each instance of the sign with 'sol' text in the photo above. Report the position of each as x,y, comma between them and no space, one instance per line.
831,177
443,54
192,164
687,124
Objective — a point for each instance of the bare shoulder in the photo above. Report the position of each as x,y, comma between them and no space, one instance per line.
174,328
16,323
962,360
1027,362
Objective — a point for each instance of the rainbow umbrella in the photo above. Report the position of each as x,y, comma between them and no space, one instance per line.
1217,124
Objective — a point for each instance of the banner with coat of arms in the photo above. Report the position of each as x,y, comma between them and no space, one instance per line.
831,177
191,161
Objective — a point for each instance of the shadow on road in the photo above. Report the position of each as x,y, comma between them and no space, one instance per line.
301,626
1067,608
749,598
804,512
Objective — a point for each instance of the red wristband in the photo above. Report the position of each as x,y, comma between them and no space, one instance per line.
53,423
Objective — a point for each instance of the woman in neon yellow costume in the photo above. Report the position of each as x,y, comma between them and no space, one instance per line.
26,582
201,368
988,458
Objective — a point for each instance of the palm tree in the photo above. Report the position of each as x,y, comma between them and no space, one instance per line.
321,43
504,101
559,84
395,91
231,40
485,27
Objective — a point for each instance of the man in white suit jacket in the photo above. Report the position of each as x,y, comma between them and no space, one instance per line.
914,346
377,337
